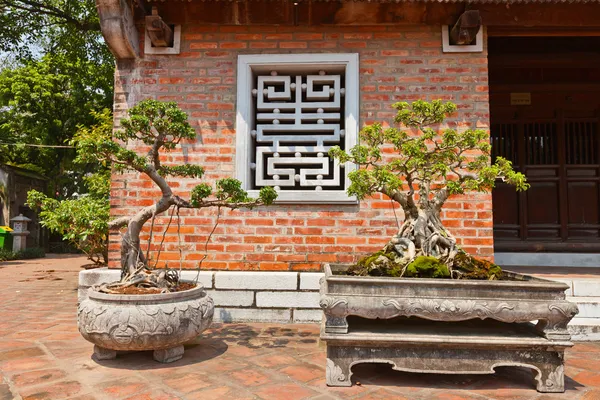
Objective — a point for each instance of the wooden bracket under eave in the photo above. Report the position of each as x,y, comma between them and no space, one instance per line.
118,27
160,34
466,28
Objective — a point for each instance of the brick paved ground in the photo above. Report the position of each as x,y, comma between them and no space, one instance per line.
42,356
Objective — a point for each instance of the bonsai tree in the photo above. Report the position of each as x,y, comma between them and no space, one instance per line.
160,126
426,168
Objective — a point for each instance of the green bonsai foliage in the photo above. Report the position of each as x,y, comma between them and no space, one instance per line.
161,126
427,168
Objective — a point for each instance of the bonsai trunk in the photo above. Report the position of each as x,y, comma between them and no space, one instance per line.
423,234
132,257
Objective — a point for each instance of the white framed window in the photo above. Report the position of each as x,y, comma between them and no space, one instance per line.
291,109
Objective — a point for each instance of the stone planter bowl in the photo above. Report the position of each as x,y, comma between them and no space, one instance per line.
523,298
159,322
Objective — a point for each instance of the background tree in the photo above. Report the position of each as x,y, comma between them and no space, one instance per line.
161,127
425,171
58,70
28,27
81,221
44,102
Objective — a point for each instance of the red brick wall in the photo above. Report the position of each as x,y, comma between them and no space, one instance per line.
396,64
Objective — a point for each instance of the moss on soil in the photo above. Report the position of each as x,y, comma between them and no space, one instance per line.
387,263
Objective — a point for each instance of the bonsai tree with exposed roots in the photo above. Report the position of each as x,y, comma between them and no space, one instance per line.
160,126
425,169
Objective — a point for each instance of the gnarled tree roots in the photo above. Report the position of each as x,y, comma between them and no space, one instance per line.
424,248
164,281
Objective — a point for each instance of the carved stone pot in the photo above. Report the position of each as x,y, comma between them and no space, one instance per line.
445,325
159,322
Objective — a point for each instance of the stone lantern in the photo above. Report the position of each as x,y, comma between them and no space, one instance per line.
20,232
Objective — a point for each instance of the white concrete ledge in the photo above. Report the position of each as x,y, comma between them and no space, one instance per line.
256,280
586,287
589,307
547,259
252,315
287,299
307,316
585,329
310,280
232,297
96,276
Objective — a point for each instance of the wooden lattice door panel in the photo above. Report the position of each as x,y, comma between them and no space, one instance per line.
505,140
561,209
582,179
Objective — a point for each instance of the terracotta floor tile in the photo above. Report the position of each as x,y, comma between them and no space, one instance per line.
219,393
303,373
154,395
188,382
59,390
50,360
381,394
273,360
121,388
588,378
21,353
591,395
249,378
284,392
38,377
25,364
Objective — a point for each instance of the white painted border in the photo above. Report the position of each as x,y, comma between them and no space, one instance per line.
246,63
449,48
175,49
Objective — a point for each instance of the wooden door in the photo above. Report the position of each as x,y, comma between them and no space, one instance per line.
557,146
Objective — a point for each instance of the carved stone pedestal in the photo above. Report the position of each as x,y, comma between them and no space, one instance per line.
159,322
104,354
168,355
445,326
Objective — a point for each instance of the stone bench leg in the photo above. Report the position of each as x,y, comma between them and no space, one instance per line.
337,373
551,379
336,324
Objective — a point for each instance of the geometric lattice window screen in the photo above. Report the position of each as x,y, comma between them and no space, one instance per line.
289,115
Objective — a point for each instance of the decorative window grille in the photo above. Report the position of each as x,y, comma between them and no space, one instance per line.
291,110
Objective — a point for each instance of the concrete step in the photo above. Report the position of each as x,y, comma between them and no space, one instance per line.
585,329
589,307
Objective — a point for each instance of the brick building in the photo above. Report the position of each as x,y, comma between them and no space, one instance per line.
238,68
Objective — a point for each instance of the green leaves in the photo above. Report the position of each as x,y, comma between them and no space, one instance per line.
230,189
152,120
81,221
44,102
267,195
199,193
186,170
421,113
426,161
